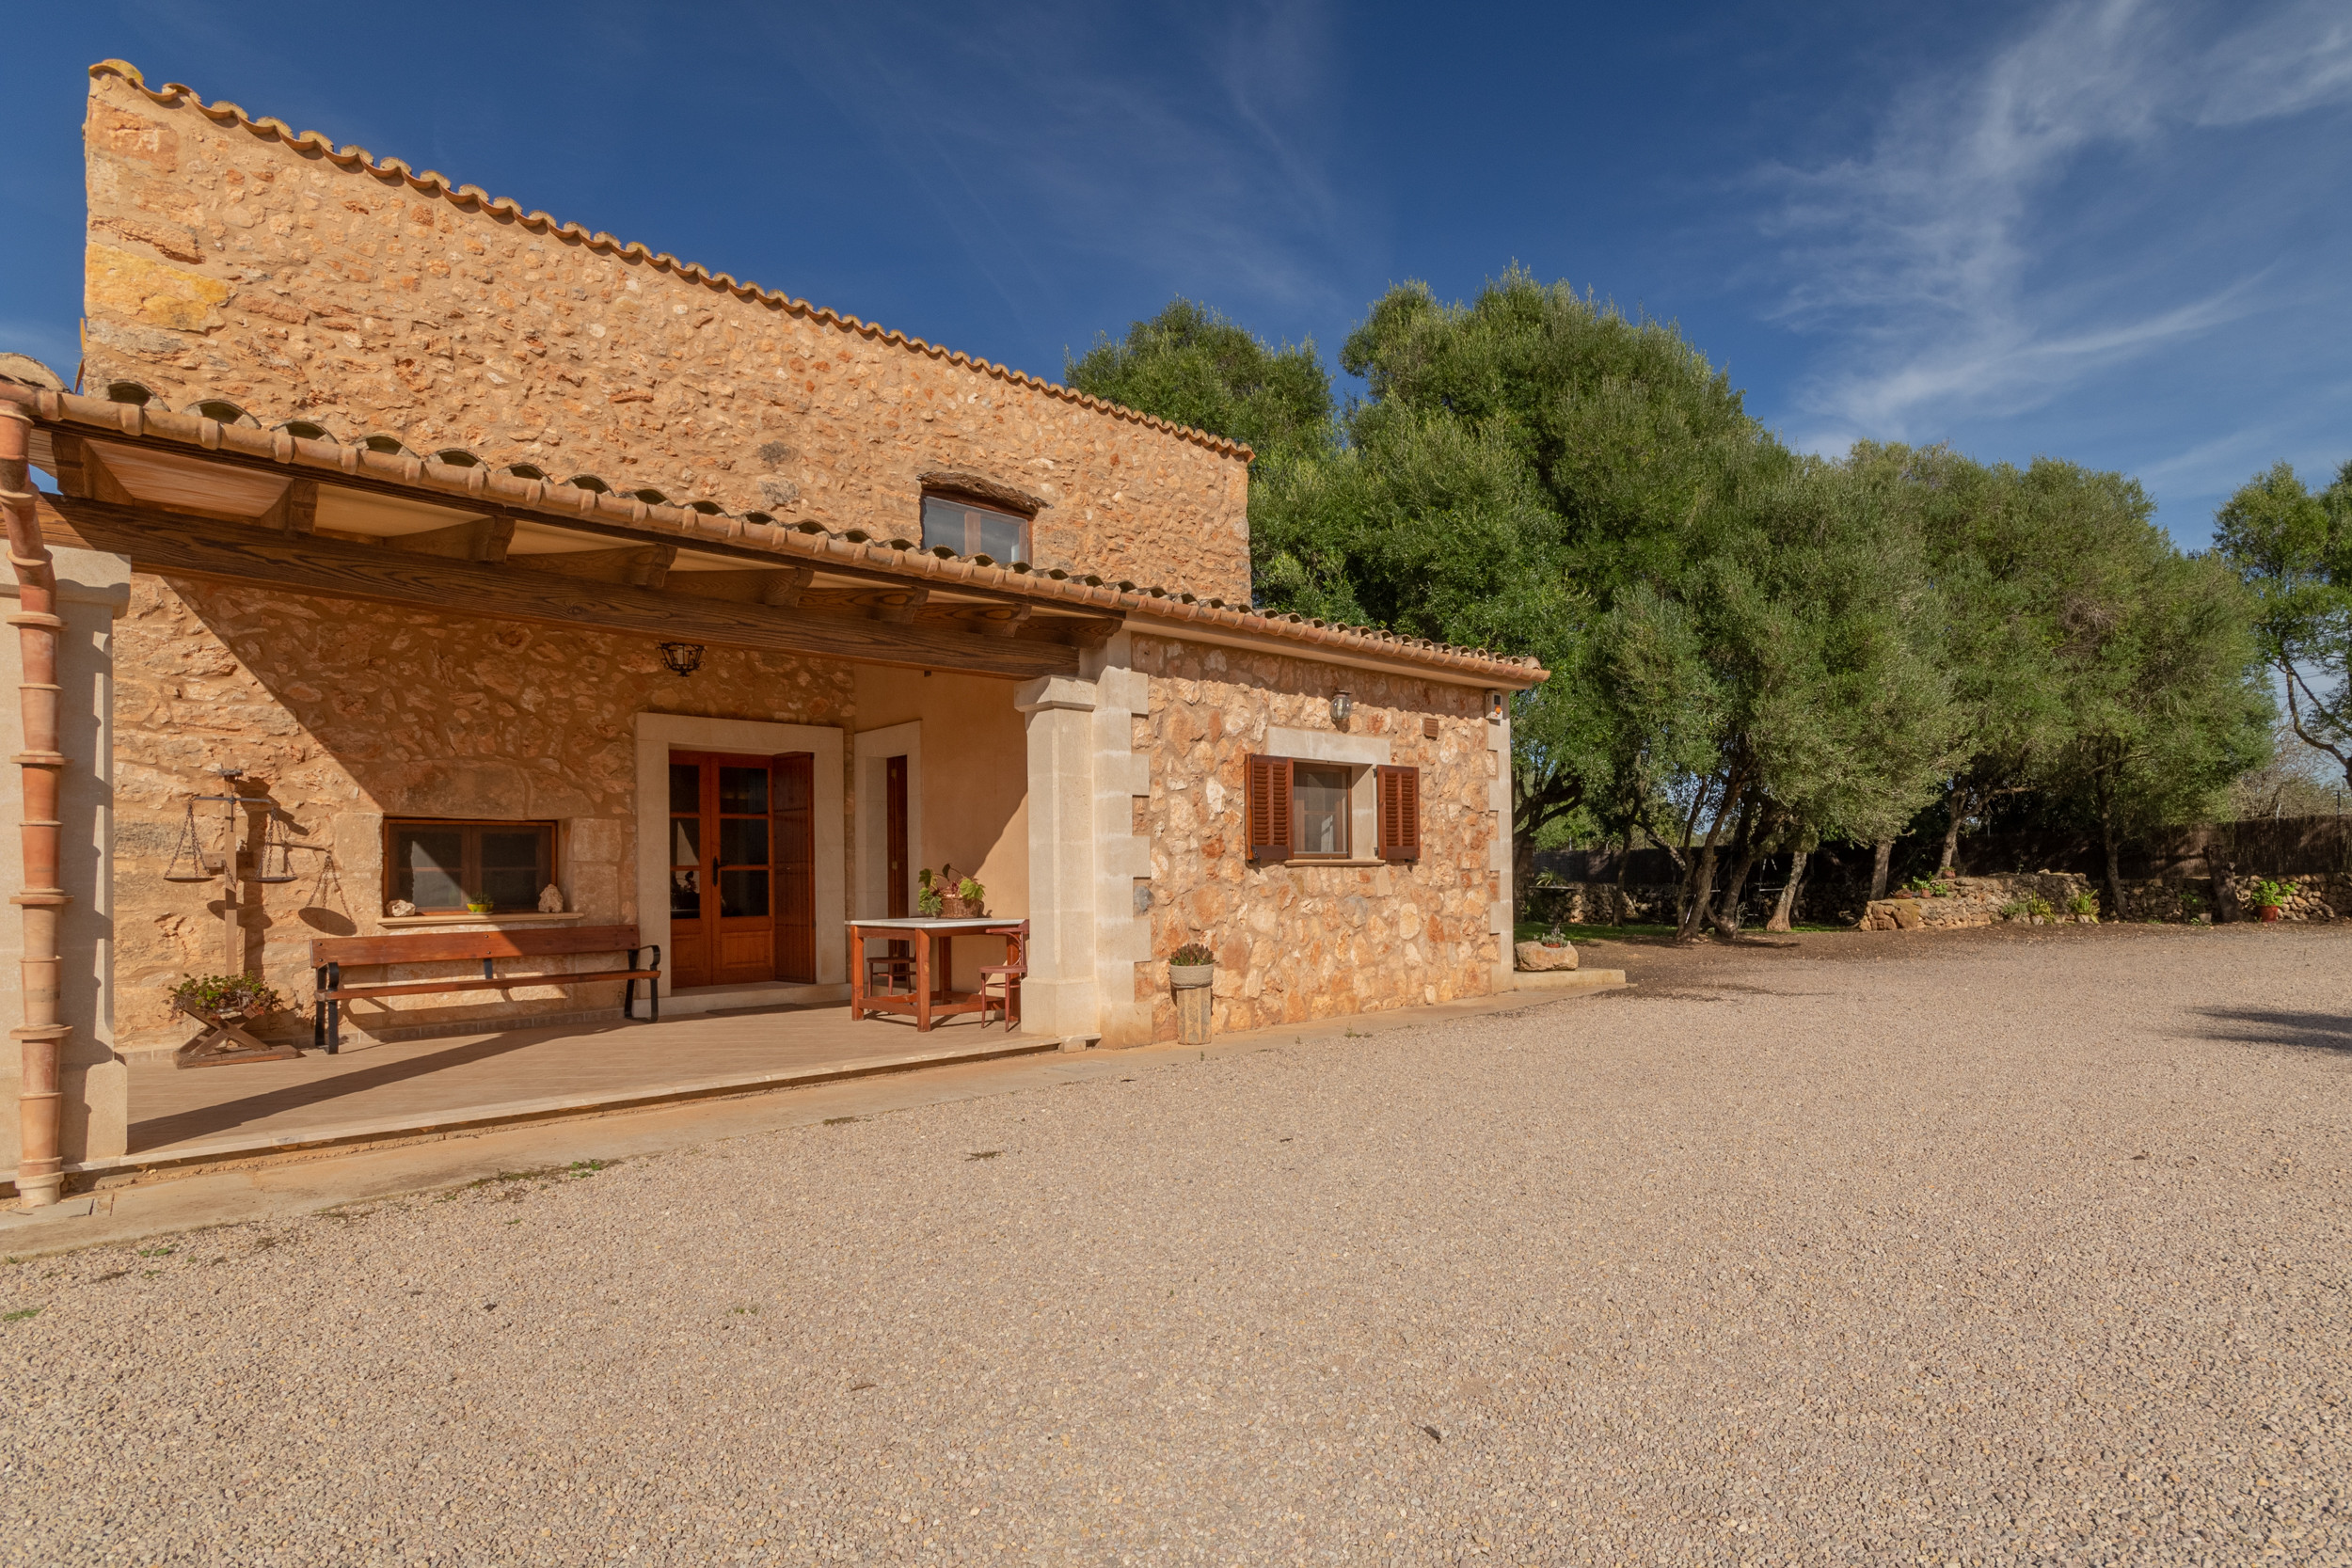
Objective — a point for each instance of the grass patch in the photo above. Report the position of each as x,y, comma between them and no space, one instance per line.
20,1316
984,1154
840,1121
1532,930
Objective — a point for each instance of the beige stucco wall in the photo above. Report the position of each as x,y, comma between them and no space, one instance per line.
347,712
1301,940
224,261
969,804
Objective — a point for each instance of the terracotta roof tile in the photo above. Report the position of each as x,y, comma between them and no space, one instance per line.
171,94
384,457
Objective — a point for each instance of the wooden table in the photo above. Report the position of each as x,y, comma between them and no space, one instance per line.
934,966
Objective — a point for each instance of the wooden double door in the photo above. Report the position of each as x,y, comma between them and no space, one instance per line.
742,868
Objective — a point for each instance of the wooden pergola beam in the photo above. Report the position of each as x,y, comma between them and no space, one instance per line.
175,545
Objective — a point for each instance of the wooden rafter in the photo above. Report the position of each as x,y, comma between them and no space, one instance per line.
177,544
484,539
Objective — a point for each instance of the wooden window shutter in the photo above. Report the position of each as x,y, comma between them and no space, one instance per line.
1400,814
1269,807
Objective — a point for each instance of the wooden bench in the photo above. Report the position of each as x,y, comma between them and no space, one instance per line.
329,955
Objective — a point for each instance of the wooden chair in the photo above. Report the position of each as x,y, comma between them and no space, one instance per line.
1001,983
889,972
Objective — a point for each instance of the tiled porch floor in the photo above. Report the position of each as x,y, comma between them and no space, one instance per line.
176,1111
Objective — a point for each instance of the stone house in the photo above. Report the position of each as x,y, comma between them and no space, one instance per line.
408,503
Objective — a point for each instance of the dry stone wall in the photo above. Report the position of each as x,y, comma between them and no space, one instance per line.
346,712
1301,940
224,261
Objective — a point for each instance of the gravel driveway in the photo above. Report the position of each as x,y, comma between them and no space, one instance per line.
1987,1249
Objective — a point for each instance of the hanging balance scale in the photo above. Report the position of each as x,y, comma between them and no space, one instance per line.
224,1040
188,861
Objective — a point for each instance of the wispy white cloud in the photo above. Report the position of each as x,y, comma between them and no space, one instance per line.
1960,268
1064,130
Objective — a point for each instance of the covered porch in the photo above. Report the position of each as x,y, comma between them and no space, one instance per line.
388,1091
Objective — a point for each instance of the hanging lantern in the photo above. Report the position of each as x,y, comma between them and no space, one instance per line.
683,659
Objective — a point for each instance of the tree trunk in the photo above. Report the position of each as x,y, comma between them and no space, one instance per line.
1750,840
1523,876
2115,872
1950,862
2224,893
1698,905
1878,867
1625,863
1784,916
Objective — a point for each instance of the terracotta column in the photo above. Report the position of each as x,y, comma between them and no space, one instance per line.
40,1167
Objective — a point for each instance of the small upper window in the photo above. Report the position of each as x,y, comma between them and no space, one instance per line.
967,527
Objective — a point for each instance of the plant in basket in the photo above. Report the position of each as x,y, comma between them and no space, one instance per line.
227,998
224,1003
1193,964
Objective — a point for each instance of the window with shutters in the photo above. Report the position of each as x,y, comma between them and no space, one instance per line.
1307,809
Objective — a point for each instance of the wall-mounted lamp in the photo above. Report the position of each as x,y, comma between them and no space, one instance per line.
683,659
1342,705
1497,707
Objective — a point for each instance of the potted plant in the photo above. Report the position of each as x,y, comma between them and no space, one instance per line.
973,898
219,999
2271,898
1191,966
224,1003
479,905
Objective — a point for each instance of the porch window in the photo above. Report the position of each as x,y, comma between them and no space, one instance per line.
969,528
440,864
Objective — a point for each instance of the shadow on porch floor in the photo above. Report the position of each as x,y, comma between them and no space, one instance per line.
529,1071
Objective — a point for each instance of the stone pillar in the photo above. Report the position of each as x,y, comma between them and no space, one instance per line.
1498,862
92,590
1059,994
1122,863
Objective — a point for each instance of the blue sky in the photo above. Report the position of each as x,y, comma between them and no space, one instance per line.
2113,230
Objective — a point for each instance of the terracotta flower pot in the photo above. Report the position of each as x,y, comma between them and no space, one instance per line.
2271,912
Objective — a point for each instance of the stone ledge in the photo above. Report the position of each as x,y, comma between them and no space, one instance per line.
409,922
1568,979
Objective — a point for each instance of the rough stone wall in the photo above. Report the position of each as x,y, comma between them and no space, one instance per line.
1976,901
226,261
1301,940
346,712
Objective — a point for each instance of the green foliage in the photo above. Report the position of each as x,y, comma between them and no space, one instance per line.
2294,550
1736,636
2084,903
970,891
1192,953
2273,895
929,901
1190,365
232,996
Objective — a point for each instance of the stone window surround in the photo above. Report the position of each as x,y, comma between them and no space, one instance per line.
658,734
1360,754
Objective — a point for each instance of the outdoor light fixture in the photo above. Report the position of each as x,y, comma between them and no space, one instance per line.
1498,704
683,659
1342,705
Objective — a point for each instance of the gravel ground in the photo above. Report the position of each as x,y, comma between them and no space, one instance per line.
1864,1249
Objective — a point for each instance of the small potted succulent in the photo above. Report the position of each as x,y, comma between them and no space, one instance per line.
2271,898
1191,966
479,905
